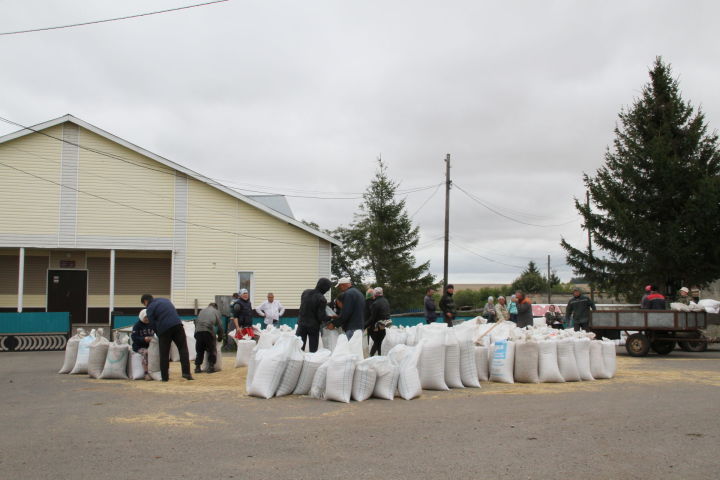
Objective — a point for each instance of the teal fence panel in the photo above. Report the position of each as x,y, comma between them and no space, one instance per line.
34,322
122,321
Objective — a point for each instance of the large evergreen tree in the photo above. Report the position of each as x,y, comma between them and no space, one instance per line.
382,240
655,203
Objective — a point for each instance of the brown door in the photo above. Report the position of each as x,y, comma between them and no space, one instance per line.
67,292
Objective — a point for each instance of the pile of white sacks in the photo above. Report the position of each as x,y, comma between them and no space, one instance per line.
423,357
705,305
94,355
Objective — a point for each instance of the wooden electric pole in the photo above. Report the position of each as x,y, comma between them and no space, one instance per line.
590,253
549,282
447,219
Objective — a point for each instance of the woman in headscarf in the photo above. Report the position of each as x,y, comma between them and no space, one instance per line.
489,310
501,310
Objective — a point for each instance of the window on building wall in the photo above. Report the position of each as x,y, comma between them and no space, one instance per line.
245,280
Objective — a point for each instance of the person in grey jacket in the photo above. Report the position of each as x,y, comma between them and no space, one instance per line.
352,315
430,308
578,309
205,324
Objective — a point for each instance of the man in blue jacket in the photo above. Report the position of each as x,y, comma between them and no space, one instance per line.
168,327
353,311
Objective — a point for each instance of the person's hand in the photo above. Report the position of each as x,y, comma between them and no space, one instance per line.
334,316
330,326
148,339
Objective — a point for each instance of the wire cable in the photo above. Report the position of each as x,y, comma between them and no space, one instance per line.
93,22
426,200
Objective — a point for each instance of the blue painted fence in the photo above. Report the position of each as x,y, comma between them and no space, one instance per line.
34,322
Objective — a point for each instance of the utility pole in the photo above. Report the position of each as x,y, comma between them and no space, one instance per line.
587,204
549,282
447,218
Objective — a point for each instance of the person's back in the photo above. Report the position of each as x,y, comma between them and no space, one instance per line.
524,309
380,309
312,305
656,301
207,320
351,317
162,315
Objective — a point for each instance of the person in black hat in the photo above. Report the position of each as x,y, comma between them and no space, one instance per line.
447,305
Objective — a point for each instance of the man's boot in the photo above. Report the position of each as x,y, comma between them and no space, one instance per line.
197,369
211,368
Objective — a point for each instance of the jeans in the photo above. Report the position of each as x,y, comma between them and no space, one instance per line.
176,335
205,342
305,332
349,333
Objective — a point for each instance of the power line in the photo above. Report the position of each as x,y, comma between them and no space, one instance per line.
211,181
427,200
93,22
477,200
271,240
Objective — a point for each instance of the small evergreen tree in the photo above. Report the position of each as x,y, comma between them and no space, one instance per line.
655,211
530,280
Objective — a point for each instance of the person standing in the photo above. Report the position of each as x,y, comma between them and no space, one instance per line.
684,297
501,310
271,310
512,309
379,314
447,305
141,336
656,300
489,310
167,325
313,314
578,309
353,309
644,300
369,298
205,324
524,310
429,304
242,315
695,293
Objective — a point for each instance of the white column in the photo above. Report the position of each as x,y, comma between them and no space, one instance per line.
112,285
21,279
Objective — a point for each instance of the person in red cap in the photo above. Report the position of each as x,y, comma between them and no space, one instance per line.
644,301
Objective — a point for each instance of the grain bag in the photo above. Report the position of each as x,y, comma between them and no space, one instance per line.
482,362
136,371
270,365
609,357
317,389
154,359
329,338
83,354
363,380
243,353
295,360
393,336
97,356
549,370
452,360
582,357
71,351
406,358
339,383
502,361
468,366
526,362
386,380
566,360
432,359
116,360
218,359
597,361
311,363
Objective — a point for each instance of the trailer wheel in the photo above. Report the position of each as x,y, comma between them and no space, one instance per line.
690,346
663,347
637,345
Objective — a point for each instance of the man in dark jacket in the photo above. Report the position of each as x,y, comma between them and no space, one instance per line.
430,308
166,323
447,305
578,309
380,310
656,300
242,312
312,314
351,316
524,307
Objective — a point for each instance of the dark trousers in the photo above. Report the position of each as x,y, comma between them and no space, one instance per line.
579,325
377,338
449,319
305,333
430,320
205,342
176,335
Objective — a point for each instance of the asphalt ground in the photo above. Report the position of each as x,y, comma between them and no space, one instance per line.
658,418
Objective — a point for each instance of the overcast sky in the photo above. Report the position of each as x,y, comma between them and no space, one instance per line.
302,97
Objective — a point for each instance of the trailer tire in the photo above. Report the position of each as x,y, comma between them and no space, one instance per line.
637,345
690,346
663,347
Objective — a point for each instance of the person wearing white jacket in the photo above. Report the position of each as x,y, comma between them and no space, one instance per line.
272,310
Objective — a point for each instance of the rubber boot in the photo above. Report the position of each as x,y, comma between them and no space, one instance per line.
211,368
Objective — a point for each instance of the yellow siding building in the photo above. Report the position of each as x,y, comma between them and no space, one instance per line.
89,222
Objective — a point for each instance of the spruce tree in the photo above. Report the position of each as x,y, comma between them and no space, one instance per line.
530,280
655,203
384,238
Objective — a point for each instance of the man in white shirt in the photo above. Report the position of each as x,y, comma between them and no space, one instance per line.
272,310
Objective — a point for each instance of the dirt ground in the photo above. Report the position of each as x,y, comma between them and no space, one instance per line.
658,418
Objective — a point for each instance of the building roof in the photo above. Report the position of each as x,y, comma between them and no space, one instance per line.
273,205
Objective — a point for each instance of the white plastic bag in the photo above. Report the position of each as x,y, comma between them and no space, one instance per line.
482,362
136,369
609,357
582,357
295,361
386,381
116,360
406,358
468,365
526,362
549,370
432,359
311,363
98,354
154,359
566,360
363,380
71,351
218,359
330,338
244,351
502,361
597,361
452,360
317,389
270,366
83,354
339,383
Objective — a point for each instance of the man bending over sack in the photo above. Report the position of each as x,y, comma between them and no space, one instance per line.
168,326
141,336
207,320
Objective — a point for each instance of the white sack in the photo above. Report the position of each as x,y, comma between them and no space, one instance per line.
295,361
116,361
363,381
406,358
218,359
83,354
317,389
244,351
452,360
71,351
330,338
269,367
189,328
582,357
432,359
502,361
97,356
526,362
482,362
154,359
135,366
566,360
393,336
388,375
597,361
609,354
339,383
549,369
311,363
710,306
468,367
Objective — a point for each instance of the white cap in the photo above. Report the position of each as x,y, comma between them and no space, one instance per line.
344,280
685,289
378,291
142,314
243,290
